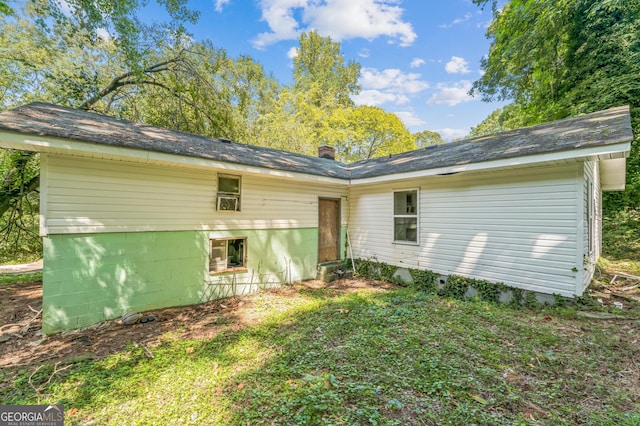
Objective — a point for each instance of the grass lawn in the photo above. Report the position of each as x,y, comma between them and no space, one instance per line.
359,356
26,277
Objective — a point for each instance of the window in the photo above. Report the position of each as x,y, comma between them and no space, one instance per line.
228,193
405,216
227,254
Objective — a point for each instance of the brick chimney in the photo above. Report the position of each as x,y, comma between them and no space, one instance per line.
326,151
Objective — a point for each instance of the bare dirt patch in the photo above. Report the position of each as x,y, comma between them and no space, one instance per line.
22,343
616,289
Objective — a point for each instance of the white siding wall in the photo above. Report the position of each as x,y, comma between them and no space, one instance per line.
519,227
591,174
82,195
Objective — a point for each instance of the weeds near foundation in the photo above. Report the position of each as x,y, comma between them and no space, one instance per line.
359,356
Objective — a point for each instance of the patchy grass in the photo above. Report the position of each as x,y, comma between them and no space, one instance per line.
322,356
25,277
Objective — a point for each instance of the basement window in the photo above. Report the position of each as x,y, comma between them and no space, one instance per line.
405,216
227,255
228,198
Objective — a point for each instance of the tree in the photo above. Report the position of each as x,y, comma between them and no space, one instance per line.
319,70
556,58
366,132
118,18
502,119
4,8
296,118
427,138
286,126
64,56
18,227
528,43
198,90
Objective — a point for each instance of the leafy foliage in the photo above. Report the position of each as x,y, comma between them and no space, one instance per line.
559,58
425,280
319,70
502,119
19,206
452,286
99,56
366,132
117,18
621,234
427,138
4,8
375,270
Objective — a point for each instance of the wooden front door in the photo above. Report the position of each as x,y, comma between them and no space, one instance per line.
328,229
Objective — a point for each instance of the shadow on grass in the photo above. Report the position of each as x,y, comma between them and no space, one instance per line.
369,357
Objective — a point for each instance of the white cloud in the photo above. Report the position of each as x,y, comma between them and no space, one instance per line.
220,4
279,15
451,94
451,134
388,86
410,119
64,6
377,97
417,62
364,53
393,80
467,16
457,65
292,53
103,34
339,19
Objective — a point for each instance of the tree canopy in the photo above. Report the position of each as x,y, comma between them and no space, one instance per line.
427,138
320,71
99,55
366,132
559,58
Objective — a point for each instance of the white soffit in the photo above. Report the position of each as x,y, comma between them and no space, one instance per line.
612,174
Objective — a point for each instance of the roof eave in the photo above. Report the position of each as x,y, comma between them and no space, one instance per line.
61,146
606,152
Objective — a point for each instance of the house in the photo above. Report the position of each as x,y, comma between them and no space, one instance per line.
135,217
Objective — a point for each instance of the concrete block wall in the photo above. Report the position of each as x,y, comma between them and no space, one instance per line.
90,278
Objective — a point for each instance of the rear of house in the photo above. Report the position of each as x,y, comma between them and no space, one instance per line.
533,228
129,229
124,236
135,217
523,208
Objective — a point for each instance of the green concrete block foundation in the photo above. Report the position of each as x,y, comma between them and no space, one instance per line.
90,278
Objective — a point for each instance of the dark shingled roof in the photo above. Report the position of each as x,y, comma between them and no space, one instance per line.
591,130
598,129
53,120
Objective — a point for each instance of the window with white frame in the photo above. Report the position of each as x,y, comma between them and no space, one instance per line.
227,254
228,198
405,216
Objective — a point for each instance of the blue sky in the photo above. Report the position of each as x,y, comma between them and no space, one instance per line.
419,57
